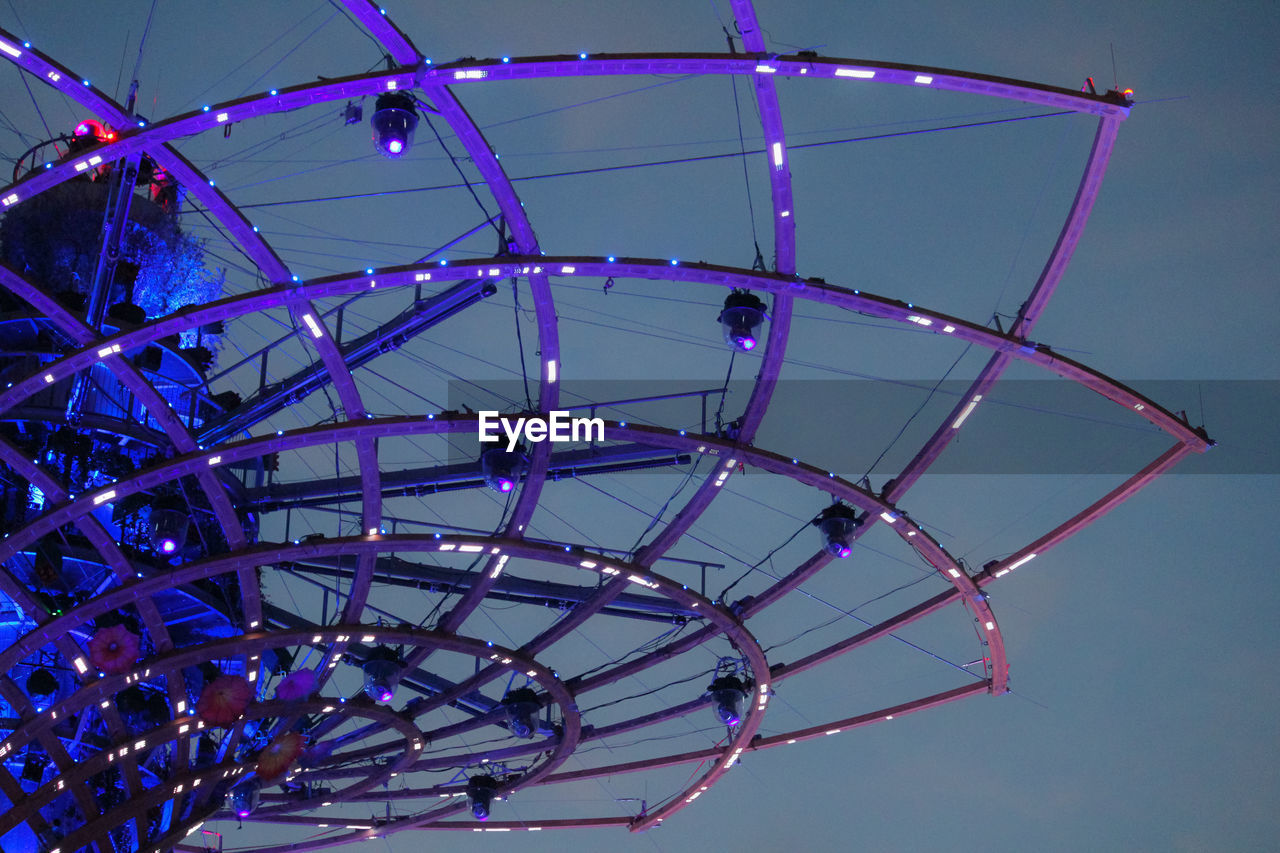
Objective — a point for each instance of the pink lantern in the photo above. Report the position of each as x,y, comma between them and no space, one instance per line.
224,700
275,760
296,685
114,649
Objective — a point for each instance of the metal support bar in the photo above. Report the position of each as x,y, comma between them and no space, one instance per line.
417,319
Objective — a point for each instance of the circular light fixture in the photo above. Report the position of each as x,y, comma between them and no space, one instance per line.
728,693
394,121
837,523
741,318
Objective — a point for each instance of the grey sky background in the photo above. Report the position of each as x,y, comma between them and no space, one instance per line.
1143,651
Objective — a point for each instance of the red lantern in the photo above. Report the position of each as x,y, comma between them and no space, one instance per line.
276,759
114,650
224,700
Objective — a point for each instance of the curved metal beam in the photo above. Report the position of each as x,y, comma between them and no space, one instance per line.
596,267
1055,267
132,138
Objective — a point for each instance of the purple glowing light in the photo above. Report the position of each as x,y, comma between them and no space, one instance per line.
384,695
168,546
747,344
394,120
242,813
844,552
505,485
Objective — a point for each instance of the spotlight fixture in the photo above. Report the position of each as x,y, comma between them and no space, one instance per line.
522,708
728,693
381,672
837,523
502,468
244,797
394,120
480,791
742,315
169,522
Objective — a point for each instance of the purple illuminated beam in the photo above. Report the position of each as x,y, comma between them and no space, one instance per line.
595,267
270,553
865,302
399,543
785,739
136,807
849,71
779,673
172,732
130,138
133,138
317,332
780,321
93,530
60,77
265,448
810,733
1055,267
257,249
778,165
402,50
738,634
915,537
103,542
168,420
775,140
376,21
526,241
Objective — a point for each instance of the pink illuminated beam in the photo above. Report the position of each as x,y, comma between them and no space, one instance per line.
1054,269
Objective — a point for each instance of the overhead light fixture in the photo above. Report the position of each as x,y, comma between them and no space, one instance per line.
382,669
837,523
480,791
502,468
394,121
742,315
244,798
728,693
522,707
170,519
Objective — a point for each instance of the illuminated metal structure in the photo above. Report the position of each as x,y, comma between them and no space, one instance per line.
109,753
